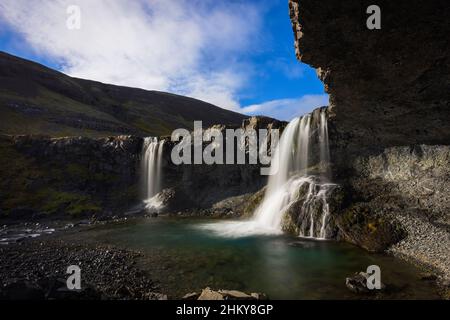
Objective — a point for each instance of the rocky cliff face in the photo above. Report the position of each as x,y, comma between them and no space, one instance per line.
202,186
45,177
78,176
389,115
387,87
402,197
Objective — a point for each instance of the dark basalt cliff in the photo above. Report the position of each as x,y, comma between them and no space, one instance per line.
204,186
389,115
43,177
387,87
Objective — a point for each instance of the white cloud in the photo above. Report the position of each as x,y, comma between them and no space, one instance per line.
180,46
286,109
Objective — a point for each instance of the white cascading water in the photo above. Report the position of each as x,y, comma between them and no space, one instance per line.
324,144
291,156
153,151
290,167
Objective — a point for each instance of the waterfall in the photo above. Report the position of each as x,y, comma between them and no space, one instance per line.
293,153
292,156
315,211
302,148
324,144
153,150
293,181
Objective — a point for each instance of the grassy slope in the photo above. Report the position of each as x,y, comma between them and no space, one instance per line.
38,100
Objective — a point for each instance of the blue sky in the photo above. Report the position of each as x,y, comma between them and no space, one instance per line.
236,54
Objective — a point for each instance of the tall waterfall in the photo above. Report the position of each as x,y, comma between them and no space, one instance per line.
153,151
284,187
300,176
324,144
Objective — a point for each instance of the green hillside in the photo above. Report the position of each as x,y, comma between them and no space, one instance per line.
37,100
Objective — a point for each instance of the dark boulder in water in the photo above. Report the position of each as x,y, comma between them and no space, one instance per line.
358,283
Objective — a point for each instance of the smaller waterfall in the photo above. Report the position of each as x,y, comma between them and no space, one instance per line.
153,151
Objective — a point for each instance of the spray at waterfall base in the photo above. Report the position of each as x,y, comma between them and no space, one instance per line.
298,191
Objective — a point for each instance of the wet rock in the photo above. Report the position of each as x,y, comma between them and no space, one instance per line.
297,218
358,283
156,296
237,295
172,199
259,296
191,296
209,294
367,229
242,206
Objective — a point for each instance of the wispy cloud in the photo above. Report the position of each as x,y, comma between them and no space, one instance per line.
182,46
198,48
286,109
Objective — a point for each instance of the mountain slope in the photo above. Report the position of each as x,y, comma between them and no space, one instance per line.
37,100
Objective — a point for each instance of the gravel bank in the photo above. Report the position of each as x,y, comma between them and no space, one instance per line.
426,245
37,270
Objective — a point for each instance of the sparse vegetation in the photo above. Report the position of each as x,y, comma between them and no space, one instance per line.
38,100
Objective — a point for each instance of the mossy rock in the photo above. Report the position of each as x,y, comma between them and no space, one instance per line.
253,202
74,204
359,224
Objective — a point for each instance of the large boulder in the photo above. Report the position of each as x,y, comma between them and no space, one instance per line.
358,283
209,294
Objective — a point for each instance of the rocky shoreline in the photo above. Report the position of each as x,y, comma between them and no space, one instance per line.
36,270
427,247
